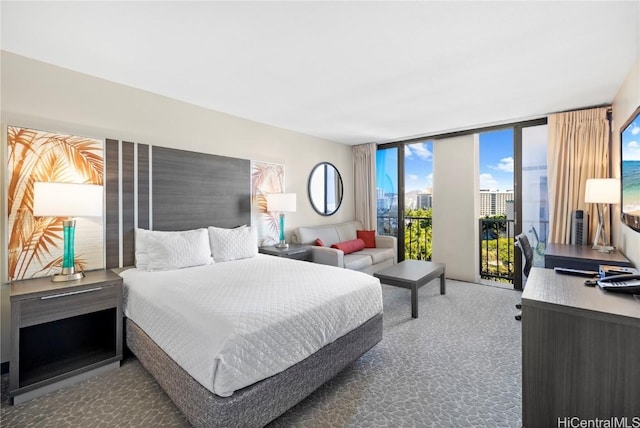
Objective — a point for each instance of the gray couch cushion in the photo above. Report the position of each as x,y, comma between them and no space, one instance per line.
357,261
347,231
328,235
378,254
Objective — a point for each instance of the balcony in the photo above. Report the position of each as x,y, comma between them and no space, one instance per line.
417,234
496,240
497,249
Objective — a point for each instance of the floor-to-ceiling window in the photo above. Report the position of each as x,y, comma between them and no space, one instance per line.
513,198
535,203
418,200
404,174
511,191
496,160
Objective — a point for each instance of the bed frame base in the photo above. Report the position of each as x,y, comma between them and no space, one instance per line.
262,402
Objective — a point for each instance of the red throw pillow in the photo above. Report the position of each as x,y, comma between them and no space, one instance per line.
368,236
318,243
349,246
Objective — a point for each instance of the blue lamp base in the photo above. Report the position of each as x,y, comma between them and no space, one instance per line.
283,243
68,258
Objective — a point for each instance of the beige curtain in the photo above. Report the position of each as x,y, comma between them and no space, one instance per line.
578,149
364,178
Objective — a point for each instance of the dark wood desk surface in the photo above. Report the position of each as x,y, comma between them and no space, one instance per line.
567,293
580,348
581,257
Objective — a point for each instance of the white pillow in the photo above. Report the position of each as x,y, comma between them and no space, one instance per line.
159,250
233,244
142,257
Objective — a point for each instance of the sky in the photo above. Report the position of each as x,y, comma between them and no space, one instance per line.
496,162
631,141
418,166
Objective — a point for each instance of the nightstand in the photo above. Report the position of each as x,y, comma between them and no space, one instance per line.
295,251
63,332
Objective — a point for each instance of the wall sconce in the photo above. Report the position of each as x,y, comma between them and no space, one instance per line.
67,200
281,202
602,192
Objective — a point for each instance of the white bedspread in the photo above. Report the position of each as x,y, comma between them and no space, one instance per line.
232,324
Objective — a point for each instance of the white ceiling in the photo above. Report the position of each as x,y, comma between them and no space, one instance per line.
351,72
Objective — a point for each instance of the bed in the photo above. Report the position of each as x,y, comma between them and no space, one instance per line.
180,192
240,337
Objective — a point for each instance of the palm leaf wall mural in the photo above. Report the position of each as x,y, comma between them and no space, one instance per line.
265,178
35,243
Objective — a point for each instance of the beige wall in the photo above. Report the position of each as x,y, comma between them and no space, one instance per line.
624,104
455,225
456,202
50,98
42,96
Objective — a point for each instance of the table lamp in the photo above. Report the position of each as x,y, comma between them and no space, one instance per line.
281,202
602,192
67,200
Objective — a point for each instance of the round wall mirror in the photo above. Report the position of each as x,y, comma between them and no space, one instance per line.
325,188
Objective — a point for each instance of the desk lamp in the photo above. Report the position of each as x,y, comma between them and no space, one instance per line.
67,200
602,192
281,202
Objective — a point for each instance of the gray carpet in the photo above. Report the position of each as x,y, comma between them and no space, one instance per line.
458,365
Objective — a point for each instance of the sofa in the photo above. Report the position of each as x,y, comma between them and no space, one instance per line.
367,260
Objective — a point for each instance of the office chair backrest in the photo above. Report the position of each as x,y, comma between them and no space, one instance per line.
522,242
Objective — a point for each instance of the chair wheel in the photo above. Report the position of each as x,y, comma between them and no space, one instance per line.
518,305
519,316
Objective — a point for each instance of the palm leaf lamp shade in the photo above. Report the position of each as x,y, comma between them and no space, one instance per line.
281,203
67,200
602,192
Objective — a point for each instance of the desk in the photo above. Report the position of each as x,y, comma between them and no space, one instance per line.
580,348
581,257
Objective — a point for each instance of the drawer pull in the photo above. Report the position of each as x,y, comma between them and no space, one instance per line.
70,293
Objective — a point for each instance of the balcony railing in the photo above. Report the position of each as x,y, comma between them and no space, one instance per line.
417,238
417,235
496,242
497,249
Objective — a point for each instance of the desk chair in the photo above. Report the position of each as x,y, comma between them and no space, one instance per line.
522,242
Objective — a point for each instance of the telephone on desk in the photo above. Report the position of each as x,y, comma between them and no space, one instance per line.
621,283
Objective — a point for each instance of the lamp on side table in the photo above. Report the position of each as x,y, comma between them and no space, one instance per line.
281,202
67,200
602,192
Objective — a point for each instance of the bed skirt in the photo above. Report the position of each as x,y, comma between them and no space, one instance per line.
262,402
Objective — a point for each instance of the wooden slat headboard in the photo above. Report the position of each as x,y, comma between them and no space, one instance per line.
168,189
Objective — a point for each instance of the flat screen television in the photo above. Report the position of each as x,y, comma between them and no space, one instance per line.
630,171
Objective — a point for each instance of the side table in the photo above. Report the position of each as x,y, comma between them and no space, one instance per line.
295,251
63,332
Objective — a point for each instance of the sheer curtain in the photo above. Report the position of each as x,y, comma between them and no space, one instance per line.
578,149
364,178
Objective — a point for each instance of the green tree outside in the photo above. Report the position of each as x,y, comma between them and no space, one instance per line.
497,249
417,234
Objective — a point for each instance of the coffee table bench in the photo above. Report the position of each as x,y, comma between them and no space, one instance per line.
413,274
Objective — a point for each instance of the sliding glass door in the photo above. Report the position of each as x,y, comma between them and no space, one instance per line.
496,200
418,200
512,195
404,174
534,192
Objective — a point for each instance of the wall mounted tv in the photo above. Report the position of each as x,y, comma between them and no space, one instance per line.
630,171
